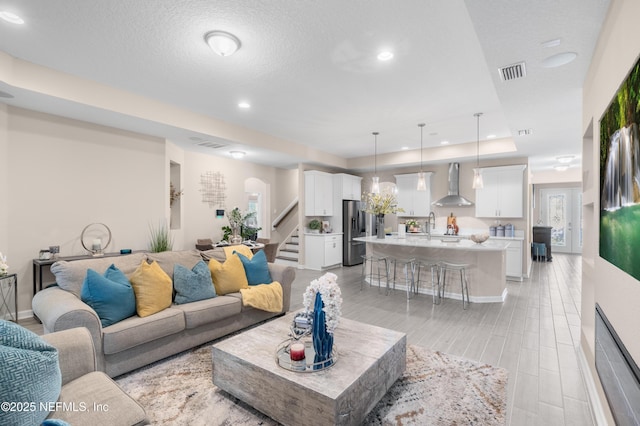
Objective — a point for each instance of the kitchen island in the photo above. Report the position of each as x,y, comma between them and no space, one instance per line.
485,274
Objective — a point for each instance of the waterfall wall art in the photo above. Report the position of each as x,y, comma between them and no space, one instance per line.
620,177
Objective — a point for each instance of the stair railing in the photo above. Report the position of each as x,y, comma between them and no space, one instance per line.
284,213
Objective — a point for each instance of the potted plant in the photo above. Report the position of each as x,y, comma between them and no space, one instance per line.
413,226
314,226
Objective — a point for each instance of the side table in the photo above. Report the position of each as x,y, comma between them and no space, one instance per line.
9,290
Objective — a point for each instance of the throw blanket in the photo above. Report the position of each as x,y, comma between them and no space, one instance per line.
266,297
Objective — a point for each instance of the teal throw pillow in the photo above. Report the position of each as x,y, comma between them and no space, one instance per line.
192,285
256,268
29,375
110,295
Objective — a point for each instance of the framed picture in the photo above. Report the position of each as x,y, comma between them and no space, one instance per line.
326,228
620,177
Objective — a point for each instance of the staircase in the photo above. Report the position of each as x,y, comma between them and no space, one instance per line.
289,253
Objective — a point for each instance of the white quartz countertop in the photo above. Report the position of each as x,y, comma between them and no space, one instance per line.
440,242
461,235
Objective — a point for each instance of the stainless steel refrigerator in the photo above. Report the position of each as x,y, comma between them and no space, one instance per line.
353,226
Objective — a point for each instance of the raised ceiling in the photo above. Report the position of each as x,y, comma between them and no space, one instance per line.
309,71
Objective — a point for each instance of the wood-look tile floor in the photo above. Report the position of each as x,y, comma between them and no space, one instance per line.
534,334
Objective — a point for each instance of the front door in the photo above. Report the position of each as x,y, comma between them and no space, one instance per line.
561,208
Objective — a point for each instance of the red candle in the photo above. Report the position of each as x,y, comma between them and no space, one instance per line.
296,351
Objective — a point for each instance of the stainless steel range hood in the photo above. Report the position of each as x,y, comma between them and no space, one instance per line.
454,198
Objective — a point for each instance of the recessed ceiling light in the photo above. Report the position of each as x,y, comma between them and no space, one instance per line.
524,132
561,167
404,148
565,159
244,105
222,42
559,59
238,154
551,43
11,17
491,136
385,56
444,143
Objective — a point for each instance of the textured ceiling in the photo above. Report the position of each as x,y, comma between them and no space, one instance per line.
310,72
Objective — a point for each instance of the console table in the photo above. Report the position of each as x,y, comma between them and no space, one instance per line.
39,264
9,289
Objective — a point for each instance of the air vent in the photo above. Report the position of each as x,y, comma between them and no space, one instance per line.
210,144
512,72
524,132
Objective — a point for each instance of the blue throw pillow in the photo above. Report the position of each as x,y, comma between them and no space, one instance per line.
256,268
29,375
193,285
110,295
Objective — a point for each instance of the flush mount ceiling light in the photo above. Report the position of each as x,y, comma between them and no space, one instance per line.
222,42
551,43
477,175
491,136
11,17
385,56
561,167
559,59
444,143
244,105
375,180
565,159
238,154
422,184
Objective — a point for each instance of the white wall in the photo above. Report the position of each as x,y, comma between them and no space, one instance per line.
617,292
65,174
4,183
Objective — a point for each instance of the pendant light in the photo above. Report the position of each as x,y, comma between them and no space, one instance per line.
477,175
375,184
422,184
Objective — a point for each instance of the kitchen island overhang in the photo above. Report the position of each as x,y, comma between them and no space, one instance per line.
486,273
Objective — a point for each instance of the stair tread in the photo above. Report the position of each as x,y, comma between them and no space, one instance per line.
287,258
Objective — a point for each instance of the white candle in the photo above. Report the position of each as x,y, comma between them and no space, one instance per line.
97,244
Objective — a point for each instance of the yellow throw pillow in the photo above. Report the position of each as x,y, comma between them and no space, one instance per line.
239,248
228,277
153,288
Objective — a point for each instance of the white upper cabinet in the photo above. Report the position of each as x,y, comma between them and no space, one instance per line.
349,187
318,193
414,203
503,193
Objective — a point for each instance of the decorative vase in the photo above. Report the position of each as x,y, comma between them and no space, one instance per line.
235,235
322,340
380,226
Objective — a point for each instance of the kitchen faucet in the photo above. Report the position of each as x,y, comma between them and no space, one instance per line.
432,223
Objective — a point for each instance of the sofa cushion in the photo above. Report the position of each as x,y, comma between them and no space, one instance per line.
29,374
228,277
110,295
256,268
193,285
135,330
209,310
70,275
97,388
153,288
169,259
215,253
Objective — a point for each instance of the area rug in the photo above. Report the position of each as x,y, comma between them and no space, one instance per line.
436,389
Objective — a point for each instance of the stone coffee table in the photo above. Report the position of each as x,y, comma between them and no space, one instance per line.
370,359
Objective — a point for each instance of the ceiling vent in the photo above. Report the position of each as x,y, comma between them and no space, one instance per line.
512,72
211,145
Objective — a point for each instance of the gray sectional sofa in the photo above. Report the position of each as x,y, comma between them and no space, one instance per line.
135,341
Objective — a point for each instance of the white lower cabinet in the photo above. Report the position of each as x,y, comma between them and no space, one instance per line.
514,261
322,250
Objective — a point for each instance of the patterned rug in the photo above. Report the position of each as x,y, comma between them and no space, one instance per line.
436,389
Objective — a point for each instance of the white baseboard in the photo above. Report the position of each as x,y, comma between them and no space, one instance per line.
592,390
25,314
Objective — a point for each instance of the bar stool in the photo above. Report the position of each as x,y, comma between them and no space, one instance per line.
371,260
434,267
409,269
455,267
